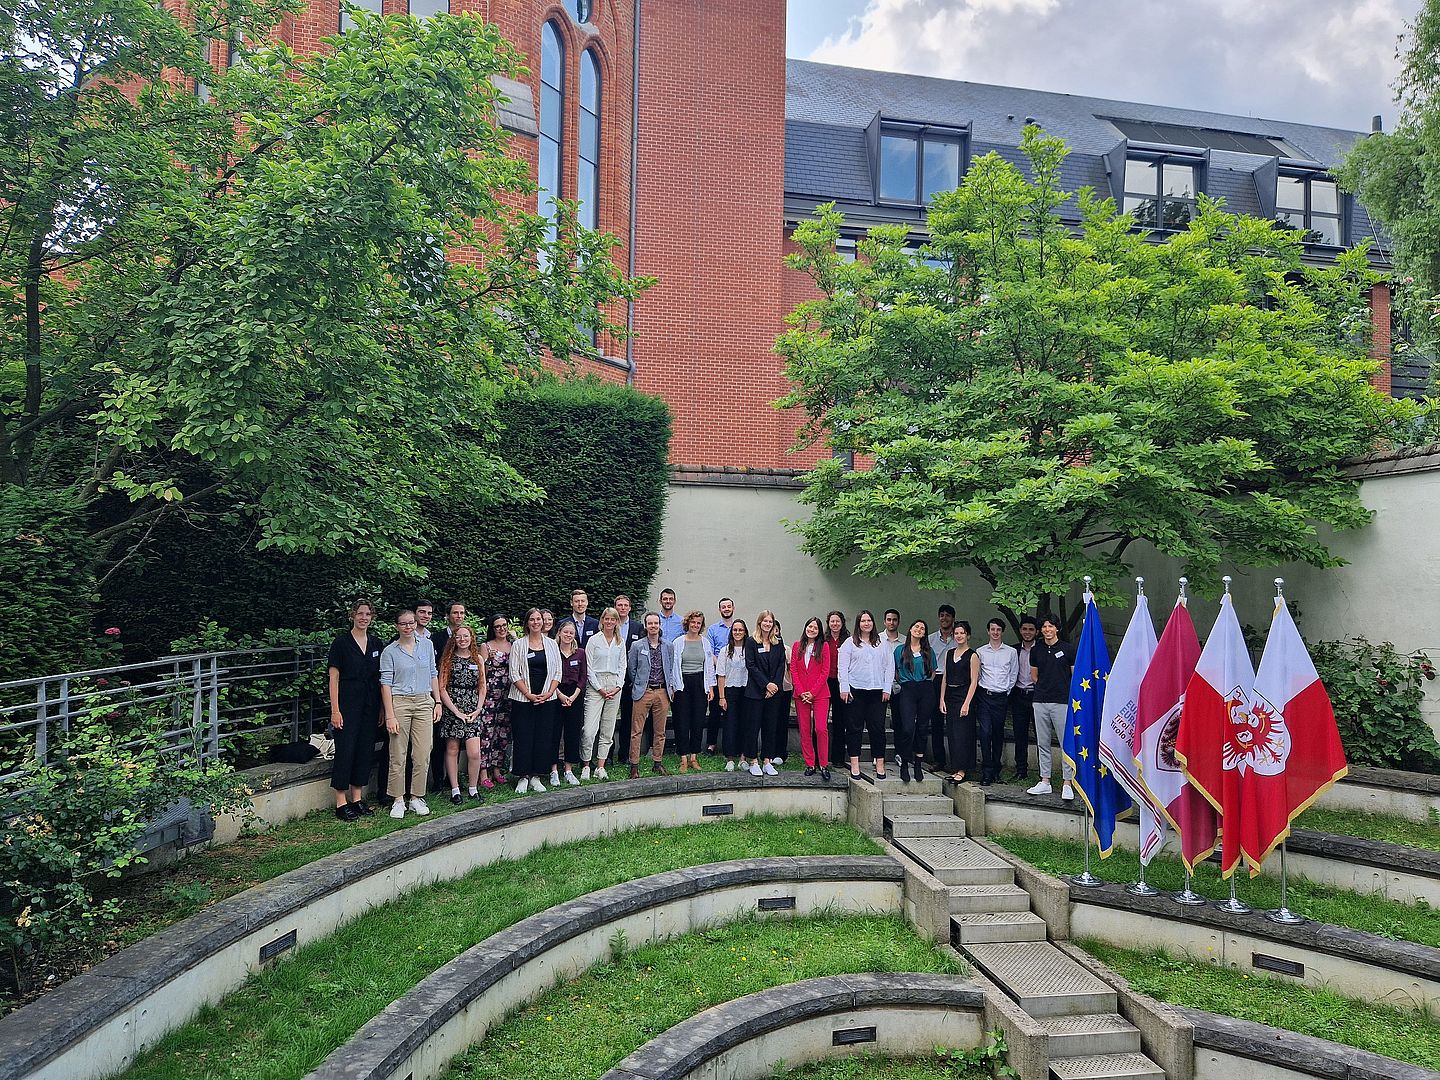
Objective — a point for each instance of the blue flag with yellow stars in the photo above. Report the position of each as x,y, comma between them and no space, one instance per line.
1100,790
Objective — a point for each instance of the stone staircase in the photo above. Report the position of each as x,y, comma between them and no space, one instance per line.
992,925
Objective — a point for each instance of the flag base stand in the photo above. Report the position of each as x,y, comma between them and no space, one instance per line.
1141,888
1234,905
1188,896
1284,915
1087,880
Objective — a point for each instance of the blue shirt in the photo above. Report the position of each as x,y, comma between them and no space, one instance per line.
671,627
408,673
717,636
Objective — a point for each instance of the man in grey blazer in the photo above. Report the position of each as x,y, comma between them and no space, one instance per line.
652,675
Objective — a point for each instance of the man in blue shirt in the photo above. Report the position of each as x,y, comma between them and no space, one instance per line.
717,636
670,625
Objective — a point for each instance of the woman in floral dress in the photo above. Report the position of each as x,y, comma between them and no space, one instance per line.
462,691
495,714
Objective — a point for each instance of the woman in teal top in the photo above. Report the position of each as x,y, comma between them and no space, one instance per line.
914,666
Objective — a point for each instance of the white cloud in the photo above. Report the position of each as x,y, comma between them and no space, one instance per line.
1314,61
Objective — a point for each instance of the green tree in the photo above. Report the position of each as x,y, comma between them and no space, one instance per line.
1031,400
238,300
1397,176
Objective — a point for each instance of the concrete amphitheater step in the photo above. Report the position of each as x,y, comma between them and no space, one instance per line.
1042,980
1091,1035
985,899
987,927
893,785
957,861
925,825
1106,1067
901,805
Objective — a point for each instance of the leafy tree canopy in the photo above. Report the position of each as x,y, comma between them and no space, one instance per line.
238,301
1397,176
1031,400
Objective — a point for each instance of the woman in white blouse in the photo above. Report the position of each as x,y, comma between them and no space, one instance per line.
605,661
866,673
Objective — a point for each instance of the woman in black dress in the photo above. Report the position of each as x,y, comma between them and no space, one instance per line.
957,692
354,710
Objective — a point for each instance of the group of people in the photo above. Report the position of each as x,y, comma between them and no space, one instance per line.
561,701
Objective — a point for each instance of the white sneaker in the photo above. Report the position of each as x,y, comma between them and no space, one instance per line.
777,761
729,766
418,805
571,779
554,777
1067,793
1042,788
770,769
523,786
398,809
601,774
585,773
755,768
536,785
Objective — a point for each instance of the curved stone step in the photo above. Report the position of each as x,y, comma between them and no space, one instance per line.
1090,1036
1106,1067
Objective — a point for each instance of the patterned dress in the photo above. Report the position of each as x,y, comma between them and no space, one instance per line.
464,690
495,717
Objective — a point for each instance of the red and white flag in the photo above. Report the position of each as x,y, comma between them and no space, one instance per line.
1287,751
1157,725
1213,726
1117,722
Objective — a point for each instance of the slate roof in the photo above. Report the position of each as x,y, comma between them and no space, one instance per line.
828,108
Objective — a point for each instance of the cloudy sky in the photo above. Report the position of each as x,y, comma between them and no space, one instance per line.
1316,61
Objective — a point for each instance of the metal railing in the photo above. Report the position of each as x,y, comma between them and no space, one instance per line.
211,703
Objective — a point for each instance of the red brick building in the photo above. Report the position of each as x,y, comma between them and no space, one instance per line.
702,164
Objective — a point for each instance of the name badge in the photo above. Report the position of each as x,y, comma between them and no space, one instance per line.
1059,656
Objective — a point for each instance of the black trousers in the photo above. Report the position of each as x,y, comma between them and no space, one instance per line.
532,733
777,734
962,734
1022,719
993,707
688,718
838,739
736,727
714,723
768,718
569,719
912,717
752,725
866,715
938,728
354,753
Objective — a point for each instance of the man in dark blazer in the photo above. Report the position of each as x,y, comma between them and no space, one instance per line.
454,619
631,629
585,625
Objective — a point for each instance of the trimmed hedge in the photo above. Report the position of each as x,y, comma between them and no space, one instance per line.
599,451
47,590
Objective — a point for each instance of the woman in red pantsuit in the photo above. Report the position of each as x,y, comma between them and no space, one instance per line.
810,663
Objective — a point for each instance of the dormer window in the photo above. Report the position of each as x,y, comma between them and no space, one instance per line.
1160,190
915,162
1310,202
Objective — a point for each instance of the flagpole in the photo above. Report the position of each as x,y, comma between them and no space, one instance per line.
1188,896
1235,906
1086,879
1282,914
1141,887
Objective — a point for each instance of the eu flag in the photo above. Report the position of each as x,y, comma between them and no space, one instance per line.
1100,790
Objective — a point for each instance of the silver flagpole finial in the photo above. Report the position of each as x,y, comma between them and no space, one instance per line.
1280,588
1140,586
1184,589
1227,579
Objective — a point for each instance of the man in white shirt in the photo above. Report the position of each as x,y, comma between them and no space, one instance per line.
999,668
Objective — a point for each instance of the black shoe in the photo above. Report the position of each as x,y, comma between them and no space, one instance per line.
919,772
904,773
855,776
986,780
825,773
634,772
809,770
456,798
658,768
477,795
362,809
347,812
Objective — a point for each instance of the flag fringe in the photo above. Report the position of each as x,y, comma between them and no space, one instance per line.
1254,865
1105,852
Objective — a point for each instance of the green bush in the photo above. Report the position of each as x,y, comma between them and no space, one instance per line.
80,819
1376,692
598,450
46,588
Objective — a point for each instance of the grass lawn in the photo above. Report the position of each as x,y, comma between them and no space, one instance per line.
158,899
1373,914
587,1027
868,1067
1386,827
284,1021
1404,1034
